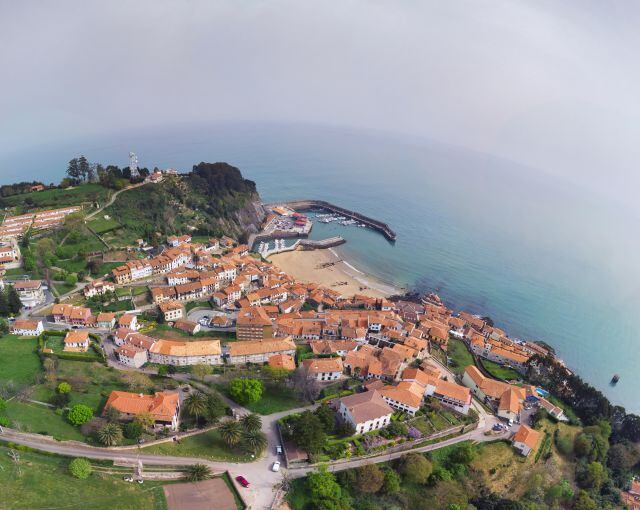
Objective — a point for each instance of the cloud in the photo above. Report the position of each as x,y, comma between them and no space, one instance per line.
549,84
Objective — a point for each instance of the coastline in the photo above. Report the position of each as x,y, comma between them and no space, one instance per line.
329,268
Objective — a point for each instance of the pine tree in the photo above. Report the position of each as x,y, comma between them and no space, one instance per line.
13,300
4,305
73,170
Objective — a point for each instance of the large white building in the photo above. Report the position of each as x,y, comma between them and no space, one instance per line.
31,292
27,328
177,353
365,411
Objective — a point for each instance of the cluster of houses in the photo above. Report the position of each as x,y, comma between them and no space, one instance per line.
16,226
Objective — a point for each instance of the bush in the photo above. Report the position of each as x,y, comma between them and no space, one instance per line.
416,468
133,430
63,387
246,391
5,421
80,414
80,468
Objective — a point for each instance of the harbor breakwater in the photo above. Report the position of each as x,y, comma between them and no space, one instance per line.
305,205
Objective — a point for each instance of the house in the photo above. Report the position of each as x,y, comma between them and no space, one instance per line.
30,292
365,411
631,498
9,253
76,341
178,353
131,355
259,351
98,288
128,320
253,324
176,241
106,320
526,440
452,395
187,326
282,361
71,314
163,406
339,347
171,310
406,396
323,369
505,397
27,328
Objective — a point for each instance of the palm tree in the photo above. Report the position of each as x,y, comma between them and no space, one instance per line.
231,432
110,434
198,472
254,442
196,404
251,422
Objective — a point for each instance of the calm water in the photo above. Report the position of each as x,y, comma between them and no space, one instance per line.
544,259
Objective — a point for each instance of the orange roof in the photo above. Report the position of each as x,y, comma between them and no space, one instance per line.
408,393
250,347
195,348
161,406
76,337
320,365
527,436
453,391
25,324
282,361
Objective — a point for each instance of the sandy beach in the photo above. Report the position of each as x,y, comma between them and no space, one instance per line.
327,268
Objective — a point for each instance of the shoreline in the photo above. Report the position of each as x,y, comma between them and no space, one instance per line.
330,269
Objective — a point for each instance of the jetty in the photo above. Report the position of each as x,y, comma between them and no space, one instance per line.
306,205
304,244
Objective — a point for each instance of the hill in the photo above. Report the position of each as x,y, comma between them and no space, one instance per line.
211,200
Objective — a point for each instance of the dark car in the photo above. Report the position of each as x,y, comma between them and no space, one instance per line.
242,481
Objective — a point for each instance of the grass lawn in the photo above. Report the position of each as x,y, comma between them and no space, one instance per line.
16,271
139,290
72,265
44,482
40,419
60,197
500,372
460,357
208,445
19,361
62,288
101,225
276,399
196,304
107,267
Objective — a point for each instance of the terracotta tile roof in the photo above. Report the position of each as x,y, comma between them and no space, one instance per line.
250,347
25,324
195,348
320,365
453,391
408,393
161,406
282,361
73,337
527,436
366,406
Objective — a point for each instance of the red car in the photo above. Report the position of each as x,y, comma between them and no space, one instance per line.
242,481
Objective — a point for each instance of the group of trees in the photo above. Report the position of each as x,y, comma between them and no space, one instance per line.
245,390
207,407
246,434
80,170
10,303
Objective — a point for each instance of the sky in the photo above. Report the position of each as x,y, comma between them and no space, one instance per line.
551,85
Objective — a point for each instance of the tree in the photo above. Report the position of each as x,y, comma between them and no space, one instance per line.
71,279
463,454
79,414
4,327
584,502
369,478
83,168
216,408
246,391
80,468
145,420
415,468
196,404
110,434
133,430
13,300
198,472
3,405
251,422
327,416
163,370
594,476
4,304
308,432
63,387
304,386
73,170
137,381
231,433
60,400
254,442
201,370
391,481
325,491
112,414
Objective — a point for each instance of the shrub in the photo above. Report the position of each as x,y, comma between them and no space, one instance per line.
80,414
63,387
133,430
5,421
246,391
80,468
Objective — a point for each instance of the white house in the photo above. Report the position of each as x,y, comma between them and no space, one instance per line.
27,328
324,369
170,352
526,440
365,411
132,356
30,292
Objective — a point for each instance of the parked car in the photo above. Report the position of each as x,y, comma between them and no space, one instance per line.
279,450
127,478
276,466
242,481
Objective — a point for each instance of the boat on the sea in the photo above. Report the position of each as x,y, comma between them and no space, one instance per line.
615,379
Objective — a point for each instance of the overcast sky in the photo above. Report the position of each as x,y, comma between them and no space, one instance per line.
551,84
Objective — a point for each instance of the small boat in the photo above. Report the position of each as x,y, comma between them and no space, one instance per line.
615,379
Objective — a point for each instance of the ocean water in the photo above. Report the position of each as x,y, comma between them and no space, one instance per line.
545,259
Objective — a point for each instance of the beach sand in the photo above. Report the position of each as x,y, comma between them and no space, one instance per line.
326,268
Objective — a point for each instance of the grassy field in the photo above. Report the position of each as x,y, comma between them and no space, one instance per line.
459,355
500,372
52,198
276,399
62,288
102,225
44,482
208,445
39,419
19,361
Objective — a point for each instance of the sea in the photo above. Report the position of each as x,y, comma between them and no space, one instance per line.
545,259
